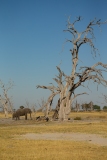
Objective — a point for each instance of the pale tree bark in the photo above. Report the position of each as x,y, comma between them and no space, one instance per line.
66,85
56,115
48,103
91,105
5,106
4,99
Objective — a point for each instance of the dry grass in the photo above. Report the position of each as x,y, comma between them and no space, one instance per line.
52,150
89,115
2,115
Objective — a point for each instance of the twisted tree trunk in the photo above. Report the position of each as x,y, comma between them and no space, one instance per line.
66,85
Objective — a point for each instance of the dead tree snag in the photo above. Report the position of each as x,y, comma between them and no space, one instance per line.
67,84
4,98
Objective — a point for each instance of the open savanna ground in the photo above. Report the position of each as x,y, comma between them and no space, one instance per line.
84,139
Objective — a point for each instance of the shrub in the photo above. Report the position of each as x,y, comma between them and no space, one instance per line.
77,118
105,108
102,116
21,107
96,107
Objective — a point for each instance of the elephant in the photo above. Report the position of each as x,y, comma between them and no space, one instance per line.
22,112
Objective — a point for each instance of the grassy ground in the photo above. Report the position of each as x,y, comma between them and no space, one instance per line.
20,149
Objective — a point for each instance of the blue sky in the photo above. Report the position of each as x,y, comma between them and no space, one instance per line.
31,44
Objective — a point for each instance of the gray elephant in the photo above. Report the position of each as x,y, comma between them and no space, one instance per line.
22,112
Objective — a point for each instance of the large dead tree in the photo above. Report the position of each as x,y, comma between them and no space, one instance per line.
5,101
67,84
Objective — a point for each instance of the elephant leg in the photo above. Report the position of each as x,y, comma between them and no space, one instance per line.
26,116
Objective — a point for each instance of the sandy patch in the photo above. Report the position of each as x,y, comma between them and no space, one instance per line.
90,138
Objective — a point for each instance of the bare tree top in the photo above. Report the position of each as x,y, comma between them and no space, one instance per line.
86,36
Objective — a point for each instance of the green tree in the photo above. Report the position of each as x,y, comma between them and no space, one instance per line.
96,107
105,108
21,107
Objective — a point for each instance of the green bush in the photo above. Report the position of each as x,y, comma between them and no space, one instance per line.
96,107
105,108
77,118
21,107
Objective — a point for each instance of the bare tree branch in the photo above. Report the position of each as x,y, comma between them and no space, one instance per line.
68,84
4,99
